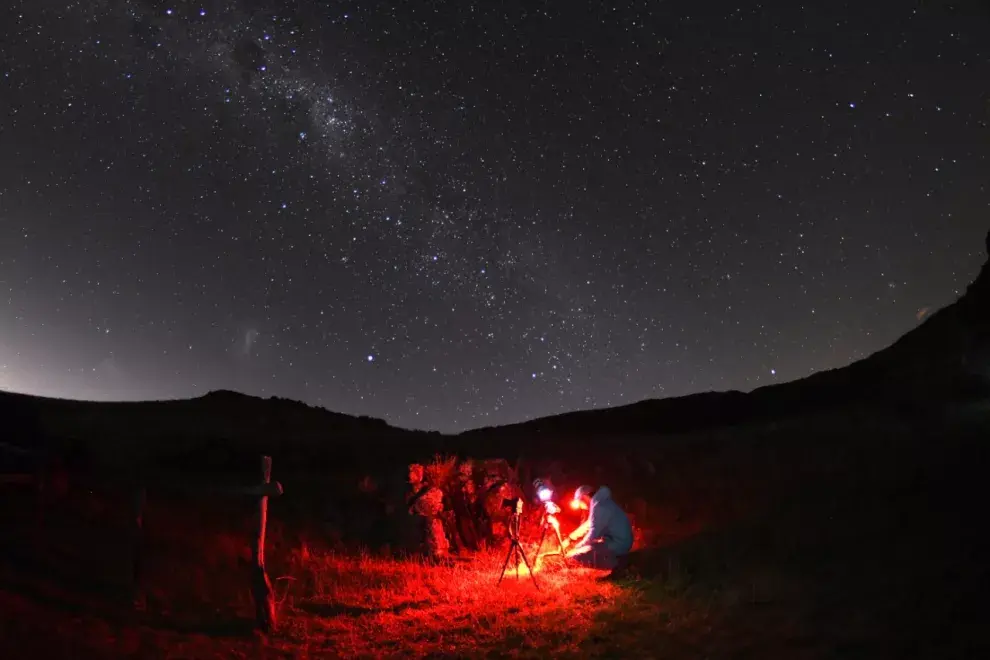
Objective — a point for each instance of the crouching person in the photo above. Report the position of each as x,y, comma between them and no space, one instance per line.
606,537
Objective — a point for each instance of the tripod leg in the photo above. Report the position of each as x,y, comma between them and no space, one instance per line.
530,568
539,546
560,544
506,564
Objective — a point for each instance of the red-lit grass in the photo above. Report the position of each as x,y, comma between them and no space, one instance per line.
843,551
347,606
331,603
367,606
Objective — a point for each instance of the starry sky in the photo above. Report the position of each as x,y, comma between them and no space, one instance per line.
458,214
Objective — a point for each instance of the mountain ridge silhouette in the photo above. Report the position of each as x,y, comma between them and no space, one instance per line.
944,360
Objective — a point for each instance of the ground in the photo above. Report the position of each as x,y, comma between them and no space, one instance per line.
365,606
757,546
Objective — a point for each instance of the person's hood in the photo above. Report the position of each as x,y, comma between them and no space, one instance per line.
602,494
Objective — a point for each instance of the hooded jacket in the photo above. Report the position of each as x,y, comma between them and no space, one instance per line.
608,522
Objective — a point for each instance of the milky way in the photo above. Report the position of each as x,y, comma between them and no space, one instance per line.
458,214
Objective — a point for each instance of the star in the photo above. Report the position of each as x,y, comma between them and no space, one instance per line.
479,194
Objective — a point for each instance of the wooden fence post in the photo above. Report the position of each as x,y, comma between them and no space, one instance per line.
261,586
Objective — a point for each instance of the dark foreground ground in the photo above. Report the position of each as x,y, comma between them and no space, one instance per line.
852,536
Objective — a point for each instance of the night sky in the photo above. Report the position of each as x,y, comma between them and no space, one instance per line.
457,214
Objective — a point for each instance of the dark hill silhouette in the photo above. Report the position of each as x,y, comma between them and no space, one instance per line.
211,428
945,360
831,534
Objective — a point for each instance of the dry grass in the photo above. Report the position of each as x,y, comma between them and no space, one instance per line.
332,603
844,553
363,606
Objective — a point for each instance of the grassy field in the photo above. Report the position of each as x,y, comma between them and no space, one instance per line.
367,607
711,597
759,547
358,606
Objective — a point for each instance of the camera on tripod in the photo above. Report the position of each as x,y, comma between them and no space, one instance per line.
513,504
544,494
549,524
543,490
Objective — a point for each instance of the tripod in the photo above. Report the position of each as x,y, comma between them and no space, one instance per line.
515,549
550,522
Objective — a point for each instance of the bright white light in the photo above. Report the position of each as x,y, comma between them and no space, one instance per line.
544,494
371,358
